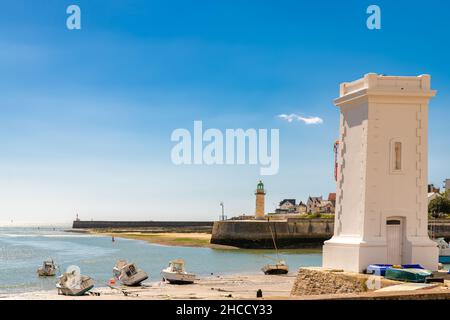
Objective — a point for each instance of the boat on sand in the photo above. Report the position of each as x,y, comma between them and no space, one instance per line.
74,284
280,266
128,274
175,273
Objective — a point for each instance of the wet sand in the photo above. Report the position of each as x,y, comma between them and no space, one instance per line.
213,287
182,239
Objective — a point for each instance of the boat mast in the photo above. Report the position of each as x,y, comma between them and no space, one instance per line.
273,239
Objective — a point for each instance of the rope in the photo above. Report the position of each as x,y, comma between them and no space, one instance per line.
273,238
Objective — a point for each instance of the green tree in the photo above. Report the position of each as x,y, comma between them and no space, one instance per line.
439,206
447,194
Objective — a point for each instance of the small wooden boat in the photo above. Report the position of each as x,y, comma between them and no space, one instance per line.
444,251
175,273
407,275
279,268
74,284
48,269
128,274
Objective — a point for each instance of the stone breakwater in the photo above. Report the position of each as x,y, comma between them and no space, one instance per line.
291,233
205,226
257,234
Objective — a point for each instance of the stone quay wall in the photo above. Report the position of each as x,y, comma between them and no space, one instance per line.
257,234
290,233
439,228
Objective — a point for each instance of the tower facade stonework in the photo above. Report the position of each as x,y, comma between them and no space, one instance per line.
381,206
260,198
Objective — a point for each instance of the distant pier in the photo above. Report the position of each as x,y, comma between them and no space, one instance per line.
81,224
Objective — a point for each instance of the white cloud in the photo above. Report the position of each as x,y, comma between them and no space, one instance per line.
295,117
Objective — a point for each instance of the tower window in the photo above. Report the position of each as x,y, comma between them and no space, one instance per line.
398,156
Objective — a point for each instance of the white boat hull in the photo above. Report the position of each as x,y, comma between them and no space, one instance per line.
85,286
135,279
178,278
128,274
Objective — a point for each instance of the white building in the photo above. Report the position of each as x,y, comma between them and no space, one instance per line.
432,195
381,209
313,204
288,205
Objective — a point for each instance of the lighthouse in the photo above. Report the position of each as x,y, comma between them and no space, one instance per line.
382,175
260,195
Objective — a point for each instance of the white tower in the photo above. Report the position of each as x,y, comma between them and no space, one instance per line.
381,210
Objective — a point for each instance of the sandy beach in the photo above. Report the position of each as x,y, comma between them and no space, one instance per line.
213,287
229,287
182,239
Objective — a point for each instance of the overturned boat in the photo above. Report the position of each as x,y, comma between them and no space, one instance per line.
175,273
128,274
74,284
407,274
380,269
280,267
48,269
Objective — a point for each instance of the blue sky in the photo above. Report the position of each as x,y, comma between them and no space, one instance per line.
87,114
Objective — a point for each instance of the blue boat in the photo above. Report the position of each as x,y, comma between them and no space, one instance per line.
444,259
412,266
408,275
380,269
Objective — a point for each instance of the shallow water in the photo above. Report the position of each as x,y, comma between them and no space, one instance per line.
22,251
